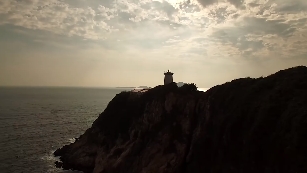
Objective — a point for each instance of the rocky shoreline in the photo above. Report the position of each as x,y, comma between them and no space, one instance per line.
246,125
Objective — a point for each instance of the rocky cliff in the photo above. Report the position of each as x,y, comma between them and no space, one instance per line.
246,125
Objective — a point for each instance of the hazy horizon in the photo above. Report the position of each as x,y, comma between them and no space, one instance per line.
94,87
78,43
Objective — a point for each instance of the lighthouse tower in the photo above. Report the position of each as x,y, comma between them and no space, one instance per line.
168,78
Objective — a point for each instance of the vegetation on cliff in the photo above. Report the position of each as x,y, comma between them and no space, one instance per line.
246,125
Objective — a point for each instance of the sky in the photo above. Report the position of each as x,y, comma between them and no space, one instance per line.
109,43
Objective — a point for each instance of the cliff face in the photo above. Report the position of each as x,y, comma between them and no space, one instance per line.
246,125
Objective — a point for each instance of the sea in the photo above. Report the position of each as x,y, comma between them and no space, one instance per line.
35,121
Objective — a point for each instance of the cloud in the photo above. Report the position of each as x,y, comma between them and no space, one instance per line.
58,17
236,3
89,3
238,27
225,37
291,6
259,29
93,19
206,3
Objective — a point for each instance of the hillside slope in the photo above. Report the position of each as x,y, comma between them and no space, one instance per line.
246,125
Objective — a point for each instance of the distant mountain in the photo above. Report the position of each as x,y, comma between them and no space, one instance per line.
125,87
144,87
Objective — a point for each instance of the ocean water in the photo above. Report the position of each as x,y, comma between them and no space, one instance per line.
34,122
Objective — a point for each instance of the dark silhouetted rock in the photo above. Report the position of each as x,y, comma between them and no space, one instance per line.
243,126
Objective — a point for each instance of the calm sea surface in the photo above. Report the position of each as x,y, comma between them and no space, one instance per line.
34,122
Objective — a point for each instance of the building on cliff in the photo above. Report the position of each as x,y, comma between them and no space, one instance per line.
168,77
180,84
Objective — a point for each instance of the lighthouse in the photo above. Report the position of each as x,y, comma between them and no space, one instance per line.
168,77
